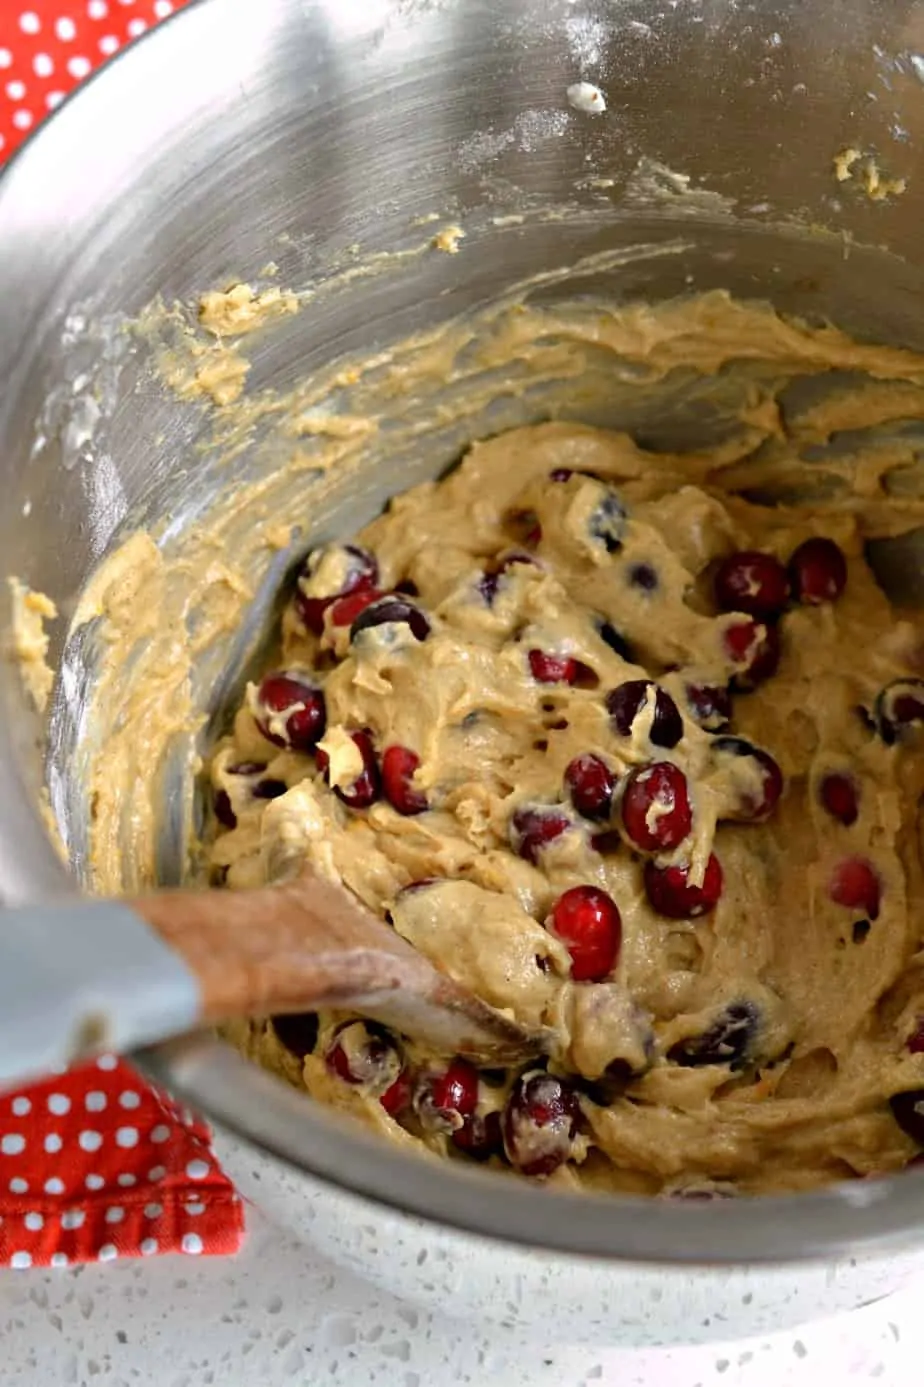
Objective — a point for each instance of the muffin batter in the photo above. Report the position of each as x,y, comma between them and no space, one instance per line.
630,757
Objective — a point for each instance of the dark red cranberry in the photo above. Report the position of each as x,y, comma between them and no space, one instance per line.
755,785
398,767
364,790
397,1099
915,1042
345,610
445,1098
840,796
392,610
359,569
290,711
855,884
553,669
899,706
533,827
908,1111
480,1137
710,706
364,1053
752,582
298,1032
615,640
671,893
540,1122
607,521
754,648
643,576
223,811
729,1040
818,572
655,807
625,703
590,784
588,923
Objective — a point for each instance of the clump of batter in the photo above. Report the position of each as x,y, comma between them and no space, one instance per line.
631,758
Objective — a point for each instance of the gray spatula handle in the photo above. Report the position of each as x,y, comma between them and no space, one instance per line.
82,977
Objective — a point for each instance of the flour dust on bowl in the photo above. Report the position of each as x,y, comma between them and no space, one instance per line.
438,243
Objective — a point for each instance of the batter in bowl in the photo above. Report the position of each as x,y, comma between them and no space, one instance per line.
634,759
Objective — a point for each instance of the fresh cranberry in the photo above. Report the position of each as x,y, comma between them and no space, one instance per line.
655,807
397,1099
540,1122
392,610
755,784
899,706
553,669
359,570
818,572
591,784
752,582
363,1053
533,827
398,767
625,703
915,1042
908,1111
445,1098
729,1040
223,811
588,923
290,711
480,1137
364,790
345,610
839,794
754,648
671,893
710,706
298,1032
855,884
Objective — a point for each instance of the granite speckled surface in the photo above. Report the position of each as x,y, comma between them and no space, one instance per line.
279,1315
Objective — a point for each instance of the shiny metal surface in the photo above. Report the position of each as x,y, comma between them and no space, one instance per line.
291,130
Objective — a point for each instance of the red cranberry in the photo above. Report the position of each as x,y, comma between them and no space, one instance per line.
754,648
671,893
908,1111
364,790
755,798
540,1122
345,610
588,923
729,1040
553,669
444,1099
480,1137
839,794
363,1053
752,582
655,807
855,884
818,572
298,1032
625,703
710,706
223,811
291,712
915,1042
392,610
397,1099
899,706
358,568
398,767
533,827
591,784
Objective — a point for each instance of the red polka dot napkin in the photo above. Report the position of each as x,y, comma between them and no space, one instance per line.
48,46
95,1163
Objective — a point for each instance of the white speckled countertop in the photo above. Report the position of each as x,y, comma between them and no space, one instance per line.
279,1315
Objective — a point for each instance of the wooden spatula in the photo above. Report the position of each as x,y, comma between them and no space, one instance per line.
88,975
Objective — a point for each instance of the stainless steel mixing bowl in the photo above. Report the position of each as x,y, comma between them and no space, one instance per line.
291,130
